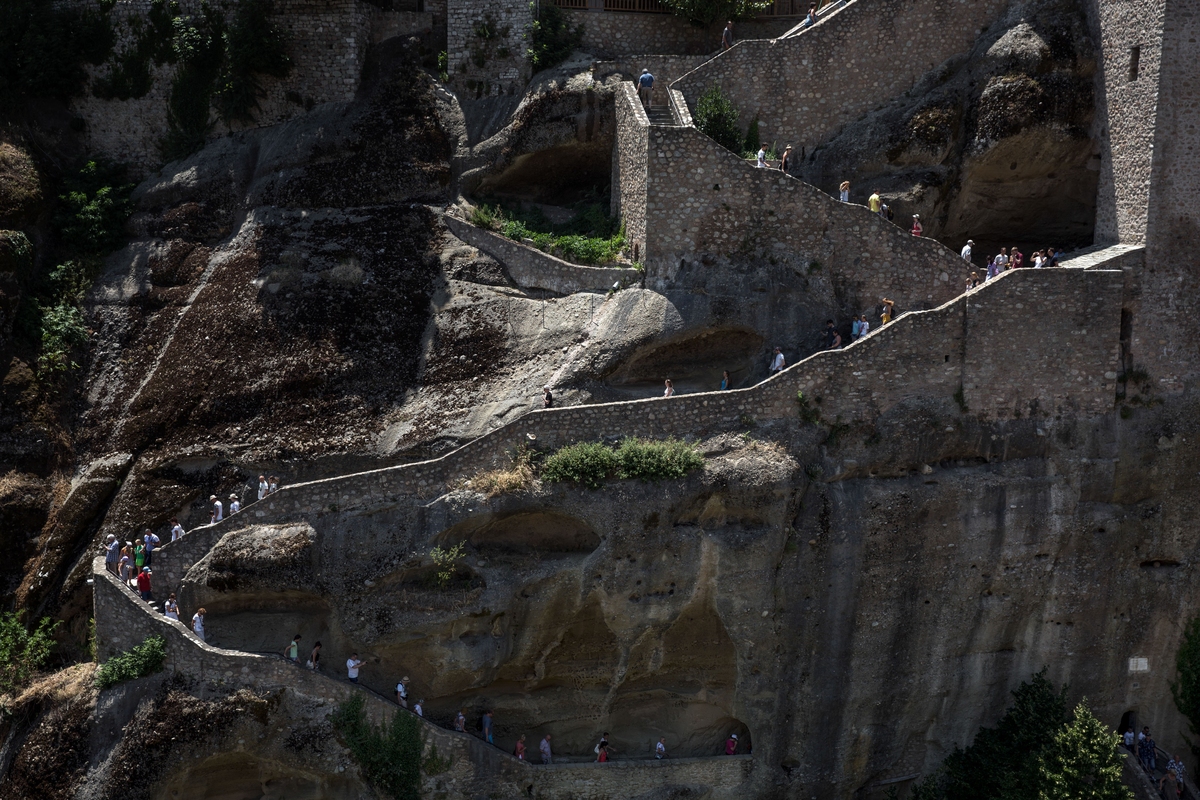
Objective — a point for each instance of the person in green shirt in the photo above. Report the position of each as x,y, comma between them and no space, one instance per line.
139,556
293,650
874,202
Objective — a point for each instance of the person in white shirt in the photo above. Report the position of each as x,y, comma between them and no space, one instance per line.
352,665
1002,259
171,608
273,485
218,510
669,388
762,158
966,251
418,710
234,505
198,624
402,692
777,363
176,529
263,486
660,749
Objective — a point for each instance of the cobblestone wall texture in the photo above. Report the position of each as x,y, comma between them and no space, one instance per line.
629,167
615,34
665,69
485,46
1058,329
701,198
478,769
328,40
533,269
806,86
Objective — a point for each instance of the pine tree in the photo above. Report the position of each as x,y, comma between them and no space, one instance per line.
1082,762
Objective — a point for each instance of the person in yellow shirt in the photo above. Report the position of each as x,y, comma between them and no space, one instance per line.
874,202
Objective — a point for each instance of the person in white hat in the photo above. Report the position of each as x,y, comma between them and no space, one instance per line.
966,251
731,744
234,505
916,228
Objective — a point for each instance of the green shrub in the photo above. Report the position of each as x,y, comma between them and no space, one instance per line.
130,75
552,39
590,237
92,213
717,119
446,561
1082,762
753,138
652,461
22,652
589,463
389,754
137,662
199,47
254,46
703,13
62,330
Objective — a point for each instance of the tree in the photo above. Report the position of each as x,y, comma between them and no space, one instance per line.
703,13
1186,687
717,119
552,39
1082,762
22,652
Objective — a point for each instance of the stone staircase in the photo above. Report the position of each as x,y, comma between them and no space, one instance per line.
660,115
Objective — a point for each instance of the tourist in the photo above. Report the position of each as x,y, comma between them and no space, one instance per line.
112,549
488,730
762,158
726,41
1128,739
602,756
889,310
855,325
660,749
777,362
519,750
263,486
864,327
547,398
1171,781
273,485
731,744
966,251
1037,259
786,162
139,555
198,623
1176,766
402,692
916,225
419,708
126,563
314,658
668,388
972,280
993,269
292,651
603,743
171,607
1051,257
873,202
460,722
1018,260
143,584
725,382
544,747
844,192
811,17
833,339
646,89
885,211
234,505
352,667
1146,752
1002,259
151,541
218,511
176,530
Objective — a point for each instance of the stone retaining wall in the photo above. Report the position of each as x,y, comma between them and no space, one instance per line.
1030,342
629,167
478,769
485,46
616,34
533,269
804,87
665,69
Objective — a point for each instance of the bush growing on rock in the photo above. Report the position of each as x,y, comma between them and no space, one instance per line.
592,463
589,463
22,651
717,119
389,755
552,38
137,662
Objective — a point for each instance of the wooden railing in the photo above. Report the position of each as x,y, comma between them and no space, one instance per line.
640,6
779,8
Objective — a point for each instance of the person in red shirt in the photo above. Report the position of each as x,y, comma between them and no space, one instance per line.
603,757
143,583
731,744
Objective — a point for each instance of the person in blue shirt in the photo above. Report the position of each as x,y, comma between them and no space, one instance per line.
855,327
646,88
725,382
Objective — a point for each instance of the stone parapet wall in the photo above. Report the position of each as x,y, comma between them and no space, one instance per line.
703,199
629,167
477,768
485,47
533,269
328,41
806,86
616,34
665,69
1030,342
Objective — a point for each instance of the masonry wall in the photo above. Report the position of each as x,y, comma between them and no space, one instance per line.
701,198
533,269
665,69
328,45
615,34
806,86
1044,336
1127,112
478,769
485,46
629,173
